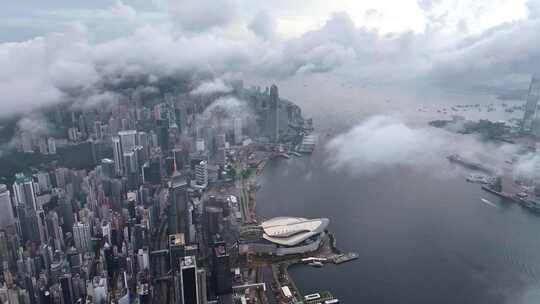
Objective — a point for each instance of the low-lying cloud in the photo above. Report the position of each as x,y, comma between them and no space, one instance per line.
215,86
384,142
59,67
222,111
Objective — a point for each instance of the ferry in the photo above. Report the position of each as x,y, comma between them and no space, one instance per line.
455,158
477,178
311,297
342,258
316,264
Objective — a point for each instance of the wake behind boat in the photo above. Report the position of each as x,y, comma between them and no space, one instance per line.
485,201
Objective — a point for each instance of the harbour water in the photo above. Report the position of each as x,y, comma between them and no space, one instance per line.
421,237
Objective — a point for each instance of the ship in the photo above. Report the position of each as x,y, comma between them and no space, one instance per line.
342,258
455,158
530,204
316,264
479,179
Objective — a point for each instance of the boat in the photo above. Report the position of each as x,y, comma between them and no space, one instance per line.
532,205
295,154
477,178
455,158
316,264
342,258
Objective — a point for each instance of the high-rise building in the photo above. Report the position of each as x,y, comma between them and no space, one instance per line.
30,225
117,153
130,163
24,192
108,167
237,126
67,288
152,171
42,144
128,140
51,143
55,231
180,158
73,134
201,174
140,155
26,141
189,291
178,204
97,129
143,140
6,215
199,145
274,114
43,181
221,272
531,107
81,236
61,177
65,212
201,281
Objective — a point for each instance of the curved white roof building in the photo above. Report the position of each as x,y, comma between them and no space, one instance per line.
291,231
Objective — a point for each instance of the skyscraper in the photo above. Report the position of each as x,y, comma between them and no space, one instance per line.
531,106
6,215
189,291
178,204
237,122
274,113
55,231
81,236
221,272
67,288
97,129
108,167
130,163
201,174
117,153
128,140
51,142
24,192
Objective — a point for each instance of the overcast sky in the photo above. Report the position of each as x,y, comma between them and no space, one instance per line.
54,50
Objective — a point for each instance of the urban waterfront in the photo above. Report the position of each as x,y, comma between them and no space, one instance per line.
422,237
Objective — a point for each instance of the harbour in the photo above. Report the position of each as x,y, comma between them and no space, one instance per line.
403,238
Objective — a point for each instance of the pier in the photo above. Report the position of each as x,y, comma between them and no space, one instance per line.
326,254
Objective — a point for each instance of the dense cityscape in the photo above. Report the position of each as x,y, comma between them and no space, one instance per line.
164,212
269,152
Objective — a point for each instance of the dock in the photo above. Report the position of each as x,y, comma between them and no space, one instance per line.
500,194
308,144
319,297
343,258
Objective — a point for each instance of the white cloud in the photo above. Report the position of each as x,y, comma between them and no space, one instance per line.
384,142
200,15
49,69
527,166
35,124
211,87
220,113
263,25
121,10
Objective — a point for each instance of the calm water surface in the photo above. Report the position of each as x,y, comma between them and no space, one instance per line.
422,238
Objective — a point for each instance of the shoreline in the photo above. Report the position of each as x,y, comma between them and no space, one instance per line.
326,253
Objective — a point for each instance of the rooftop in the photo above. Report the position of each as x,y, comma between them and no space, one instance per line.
291,231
